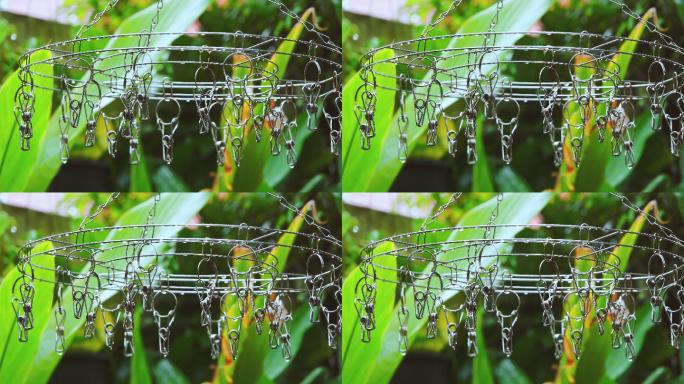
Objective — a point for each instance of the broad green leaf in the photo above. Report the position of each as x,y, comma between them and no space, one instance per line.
140,370
256,361
15,164
597,156
172,208
482,175
585,67
360,360
597,357
482,369
166,180
282,58
383,361
595,348
15,356
258,167
166,372
622,252
379,174
616,171
616,363
140,175
385,143
276,168
282,251
621,61
313,376
656,376
508,372
508,180
177,15
274,364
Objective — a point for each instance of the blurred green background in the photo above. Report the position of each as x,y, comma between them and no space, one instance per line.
532,360
433,169
194,167
87,360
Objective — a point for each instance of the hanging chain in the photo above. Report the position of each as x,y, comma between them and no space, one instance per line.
490,229
652,219
440,210
442,16
88,219
150,218
309,219
309,26
146,35
650,25
96,18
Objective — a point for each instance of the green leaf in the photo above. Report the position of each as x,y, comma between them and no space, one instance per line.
508,372
482,370
597,357
360,363
274,364
384,144
140,371
377,173
281,58
15,164
482,176
256,361
166,372
616,363
313,375
172,209
177,15
508,180
282,251
276,168
655,376
15,356
140,176
258,166
166,180
622,252
616,171
597,156
383,360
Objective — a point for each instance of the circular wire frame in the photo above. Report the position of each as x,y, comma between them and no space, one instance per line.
245,64
77,256
456,261
238,279
465,62
234,82
577,79
578,277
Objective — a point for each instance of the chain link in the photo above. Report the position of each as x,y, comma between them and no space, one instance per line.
309,26
490,229
88,219
430,219
98,16
309,219
442,16
652,219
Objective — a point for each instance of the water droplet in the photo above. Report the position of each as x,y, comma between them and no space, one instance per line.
13,37
13,229
355,229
